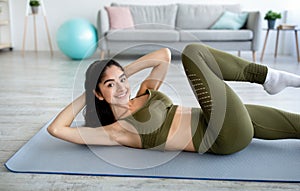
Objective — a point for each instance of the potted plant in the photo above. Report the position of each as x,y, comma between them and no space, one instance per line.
34,4
271,18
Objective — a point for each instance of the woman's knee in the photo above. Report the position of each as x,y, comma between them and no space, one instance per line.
192,48
193,55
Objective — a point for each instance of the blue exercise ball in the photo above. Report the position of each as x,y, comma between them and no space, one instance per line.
77,39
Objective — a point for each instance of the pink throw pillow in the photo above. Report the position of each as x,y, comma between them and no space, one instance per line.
119,17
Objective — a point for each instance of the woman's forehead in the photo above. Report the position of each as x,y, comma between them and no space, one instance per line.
113,72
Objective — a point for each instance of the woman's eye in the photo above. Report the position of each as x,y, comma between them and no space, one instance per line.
110,85
123,79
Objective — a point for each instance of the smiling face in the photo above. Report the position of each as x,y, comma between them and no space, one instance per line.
114,86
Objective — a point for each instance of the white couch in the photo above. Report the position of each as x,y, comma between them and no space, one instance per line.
175,26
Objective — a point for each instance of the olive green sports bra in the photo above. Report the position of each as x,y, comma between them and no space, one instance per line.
153,120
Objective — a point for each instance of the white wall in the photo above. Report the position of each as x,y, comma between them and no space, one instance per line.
59,11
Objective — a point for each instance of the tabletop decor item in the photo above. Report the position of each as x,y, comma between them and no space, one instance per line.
34,4
286,26
271,17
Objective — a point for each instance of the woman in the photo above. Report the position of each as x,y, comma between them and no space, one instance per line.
151,121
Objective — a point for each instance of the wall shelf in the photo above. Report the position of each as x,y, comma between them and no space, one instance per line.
5,28
4,22
2,46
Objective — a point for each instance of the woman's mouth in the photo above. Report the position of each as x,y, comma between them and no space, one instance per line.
122,95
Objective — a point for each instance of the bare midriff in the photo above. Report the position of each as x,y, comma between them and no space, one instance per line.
180,134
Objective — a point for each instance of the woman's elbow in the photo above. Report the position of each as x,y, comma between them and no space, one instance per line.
53,130
168,54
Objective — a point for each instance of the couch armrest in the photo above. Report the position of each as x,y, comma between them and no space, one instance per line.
254,24
102,27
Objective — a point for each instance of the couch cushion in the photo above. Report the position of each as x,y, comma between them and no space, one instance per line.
215,35
230,20
197,16
143,35
152,16
119,17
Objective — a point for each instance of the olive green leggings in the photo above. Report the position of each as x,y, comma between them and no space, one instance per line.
224,125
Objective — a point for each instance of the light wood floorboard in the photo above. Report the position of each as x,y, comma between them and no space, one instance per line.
35,87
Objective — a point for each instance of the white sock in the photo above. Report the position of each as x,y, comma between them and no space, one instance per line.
277,80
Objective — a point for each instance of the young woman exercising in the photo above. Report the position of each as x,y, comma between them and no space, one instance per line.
222,125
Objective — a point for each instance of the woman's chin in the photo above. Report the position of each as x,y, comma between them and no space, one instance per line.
122,100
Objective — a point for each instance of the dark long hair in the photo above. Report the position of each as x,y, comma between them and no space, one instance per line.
97,112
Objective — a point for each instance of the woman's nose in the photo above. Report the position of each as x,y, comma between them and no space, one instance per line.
120,87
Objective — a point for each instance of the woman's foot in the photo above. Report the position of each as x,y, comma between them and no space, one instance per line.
277,80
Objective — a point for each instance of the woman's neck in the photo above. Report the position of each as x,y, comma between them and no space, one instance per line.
121,111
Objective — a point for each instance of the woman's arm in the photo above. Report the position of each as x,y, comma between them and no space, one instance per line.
60,127
159,62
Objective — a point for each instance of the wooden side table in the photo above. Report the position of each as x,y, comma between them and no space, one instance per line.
28,13
276,45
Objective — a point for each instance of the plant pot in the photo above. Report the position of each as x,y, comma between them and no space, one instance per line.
271,24
34,9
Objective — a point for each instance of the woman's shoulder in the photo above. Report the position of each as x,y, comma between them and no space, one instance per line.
153,92
159,95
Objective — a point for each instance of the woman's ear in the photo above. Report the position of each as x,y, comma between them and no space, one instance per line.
98,95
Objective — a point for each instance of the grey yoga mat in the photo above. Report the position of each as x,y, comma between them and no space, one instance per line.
276,160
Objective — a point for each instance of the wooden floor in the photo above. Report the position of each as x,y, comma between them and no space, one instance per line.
35,87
